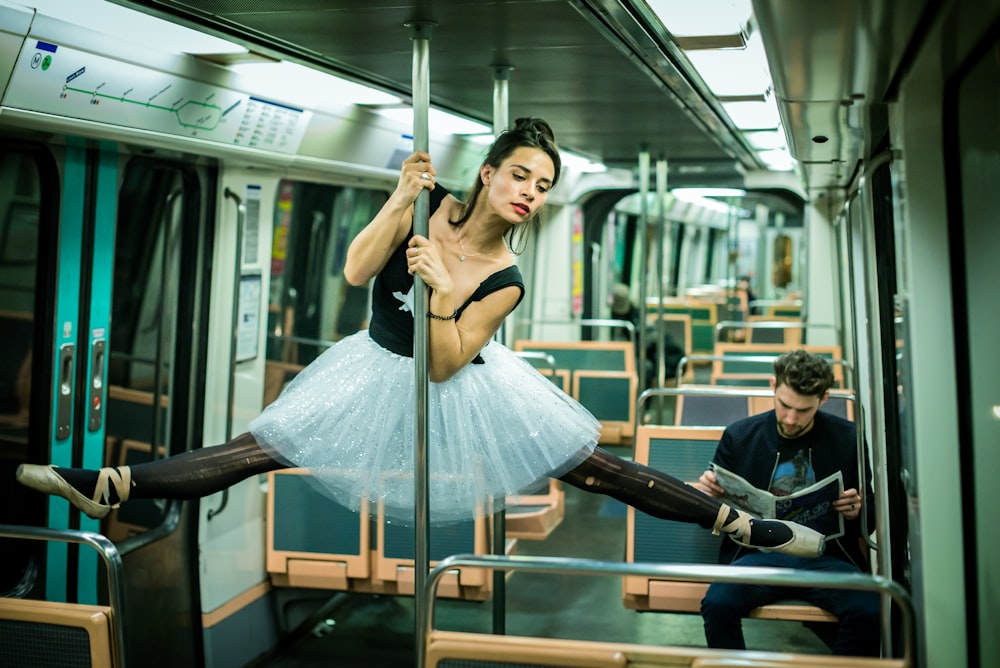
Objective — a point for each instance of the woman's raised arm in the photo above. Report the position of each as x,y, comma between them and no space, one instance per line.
371,248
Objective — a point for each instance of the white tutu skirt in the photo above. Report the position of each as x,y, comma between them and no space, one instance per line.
494,430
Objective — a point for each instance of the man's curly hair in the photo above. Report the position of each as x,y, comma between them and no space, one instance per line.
803,372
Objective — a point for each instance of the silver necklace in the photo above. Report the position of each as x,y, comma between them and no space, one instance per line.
461,258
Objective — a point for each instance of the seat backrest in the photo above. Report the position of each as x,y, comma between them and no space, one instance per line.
789,336
601,375
709,411
451,649
593,355
395,546
734,365
611,397
301,552
684,453
46,633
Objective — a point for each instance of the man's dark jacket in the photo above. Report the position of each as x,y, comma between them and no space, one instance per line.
749,447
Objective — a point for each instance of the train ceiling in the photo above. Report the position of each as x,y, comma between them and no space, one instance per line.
606,74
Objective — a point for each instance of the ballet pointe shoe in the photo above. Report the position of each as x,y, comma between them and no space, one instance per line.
805,542
45,479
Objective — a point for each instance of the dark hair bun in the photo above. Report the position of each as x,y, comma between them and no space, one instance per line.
534,125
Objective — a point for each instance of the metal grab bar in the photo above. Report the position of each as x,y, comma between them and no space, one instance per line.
745,358
797,303
771,324
234,334
587,322
785,577
700,391
112,562
550,361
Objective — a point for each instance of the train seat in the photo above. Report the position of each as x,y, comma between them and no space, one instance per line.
393,569
683,452
535,516
602,377
710,411
610,396
45,633
451,648
790,335
731,366
703,315
301,553
41,632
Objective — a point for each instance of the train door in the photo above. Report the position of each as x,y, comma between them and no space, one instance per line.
106,305
155,376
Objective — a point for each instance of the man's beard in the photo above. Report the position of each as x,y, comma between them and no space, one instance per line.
798,432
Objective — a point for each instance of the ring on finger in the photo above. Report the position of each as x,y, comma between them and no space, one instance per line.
425,176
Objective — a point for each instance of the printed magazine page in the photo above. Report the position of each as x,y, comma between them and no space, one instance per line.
812,506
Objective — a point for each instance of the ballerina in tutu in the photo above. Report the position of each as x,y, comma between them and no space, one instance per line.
496,426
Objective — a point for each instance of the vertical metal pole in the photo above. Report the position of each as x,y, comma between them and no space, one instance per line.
501,121
501,98
642,253
421,33
860,410
877,442
661,215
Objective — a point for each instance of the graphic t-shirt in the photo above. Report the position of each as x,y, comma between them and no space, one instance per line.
794,470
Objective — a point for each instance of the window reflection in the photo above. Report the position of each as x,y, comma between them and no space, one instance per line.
310,305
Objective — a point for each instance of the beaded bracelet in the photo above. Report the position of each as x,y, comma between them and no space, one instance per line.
442,317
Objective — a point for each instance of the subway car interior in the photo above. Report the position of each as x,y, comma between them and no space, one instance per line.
180,181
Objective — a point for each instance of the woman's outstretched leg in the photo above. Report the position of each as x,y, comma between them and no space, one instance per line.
189,475
668,498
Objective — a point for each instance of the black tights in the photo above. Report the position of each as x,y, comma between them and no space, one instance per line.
643,488
201,472
198,473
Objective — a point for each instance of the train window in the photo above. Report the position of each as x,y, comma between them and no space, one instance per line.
782,265
20,205
310,303
158,207
29,204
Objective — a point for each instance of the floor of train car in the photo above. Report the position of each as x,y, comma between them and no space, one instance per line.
363,631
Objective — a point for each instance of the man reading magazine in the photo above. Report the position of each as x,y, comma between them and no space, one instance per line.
811,505
797,463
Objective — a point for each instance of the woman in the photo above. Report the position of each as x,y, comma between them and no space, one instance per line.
495,424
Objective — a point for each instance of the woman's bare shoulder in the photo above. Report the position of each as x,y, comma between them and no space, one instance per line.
453,206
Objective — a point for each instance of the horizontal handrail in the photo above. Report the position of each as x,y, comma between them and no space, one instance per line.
771,324
112,561
775,302
700,390
587,322
743,358
708,391
785,577
549,360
